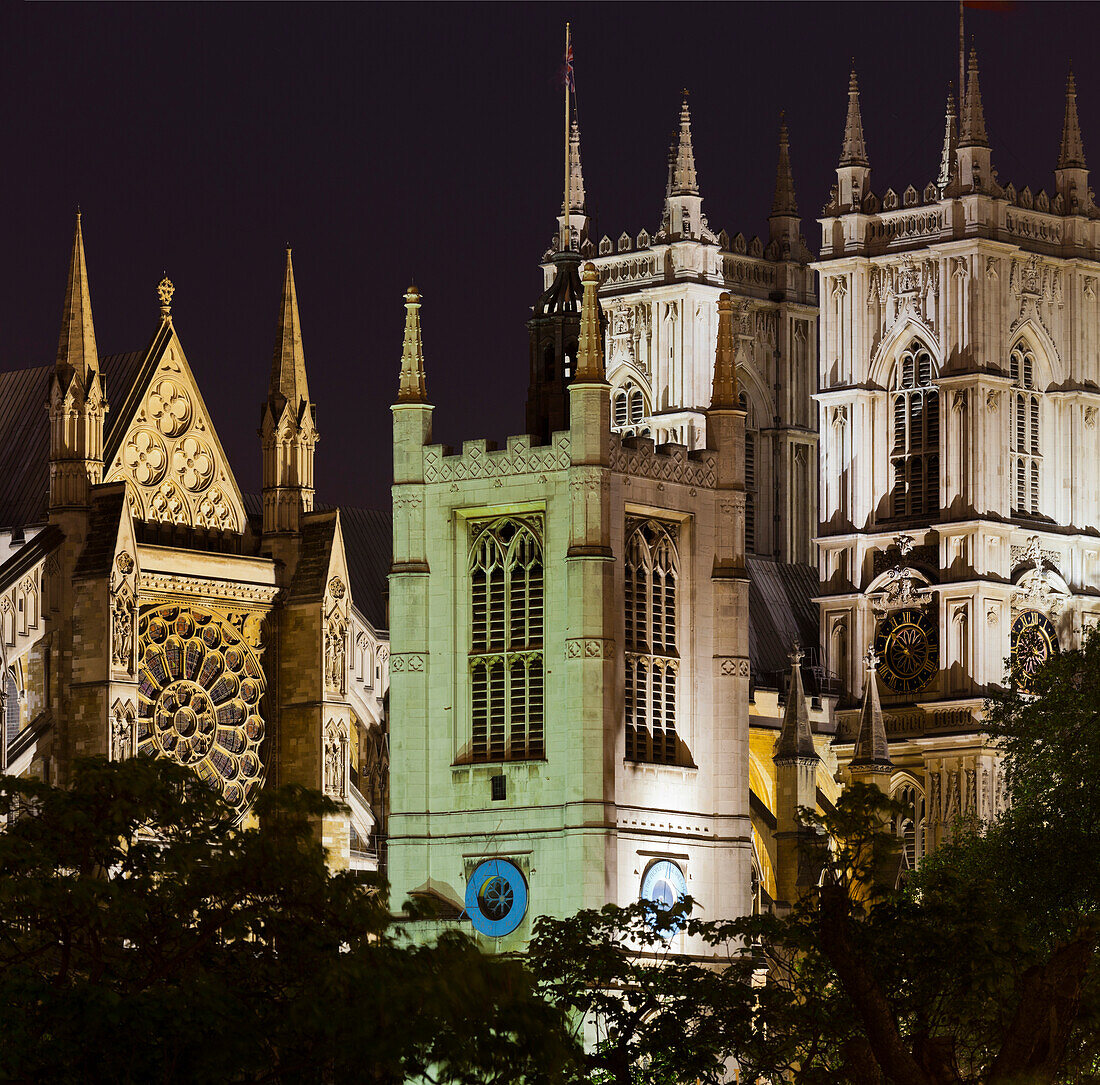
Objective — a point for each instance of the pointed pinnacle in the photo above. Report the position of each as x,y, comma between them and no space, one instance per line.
872,749
76,349
784,202
1072,152
950,143
413,385
724,392
972,133
576,176
288,364
854,151
684,181
590,368
796,739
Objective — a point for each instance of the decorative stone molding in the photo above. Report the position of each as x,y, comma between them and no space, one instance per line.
589,648
178,585
673,465
400,662
336,759
123,726
732,666
519,458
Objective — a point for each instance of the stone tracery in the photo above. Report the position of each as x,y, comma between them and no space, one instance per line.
199,692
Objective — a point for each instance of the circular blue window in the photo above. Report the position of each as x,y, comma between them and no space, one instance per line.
664,884
496,898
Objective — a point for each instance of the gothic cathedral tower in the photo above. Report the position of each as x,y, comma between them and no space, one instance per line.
960,386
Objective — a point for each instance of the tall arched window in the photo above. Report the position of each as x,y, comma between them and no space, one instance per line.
909,825
1026,464
652,654
915,441
506,633
750,476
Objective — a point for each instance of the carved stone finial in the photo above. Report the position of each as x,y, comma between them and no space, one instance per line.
796,654
871,659
165,290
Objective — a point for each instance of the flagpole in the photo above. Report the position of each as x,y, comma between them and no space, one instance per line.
567,241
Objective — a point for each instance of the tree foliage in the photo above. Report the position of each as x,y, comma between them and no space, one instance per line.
142,940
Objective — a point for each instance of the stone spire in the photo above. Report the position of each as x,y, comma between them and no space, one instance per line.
854,151
576,177
796,738
784,225
973,132
871,755
76,349
975,173
1072,172
950,145
784,201
724,394
578,218
590,368
288,432
853,172
413,386
684,181
288,365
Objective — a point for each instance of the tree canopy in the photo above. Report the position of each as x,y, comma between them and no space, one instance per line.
142,940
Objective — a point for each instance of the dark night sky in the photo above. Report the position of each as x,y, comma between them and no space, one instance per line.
386,141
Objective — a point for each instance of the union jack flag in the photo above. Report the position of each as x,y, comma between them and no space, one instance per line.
569,68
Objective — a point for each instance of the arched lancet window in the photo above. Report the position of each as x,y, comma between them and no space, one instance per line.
628,409
909,825
1027,459
915,439
11,706
652,654
506,632
569,362
750,475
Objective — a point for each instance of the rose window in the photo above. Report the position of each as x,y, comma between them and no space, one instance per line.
199,695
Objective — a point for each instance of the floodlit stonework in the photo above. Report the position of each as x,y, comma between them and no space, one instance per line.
145,612
960,509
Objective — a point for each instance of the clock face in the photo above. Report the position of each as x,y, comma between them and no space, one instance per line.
664,884
907,646
1034,641
496,898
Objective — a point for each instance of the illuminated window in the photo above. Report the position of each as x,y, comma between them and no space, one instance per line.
750,476
915,443
1025,407
909,824
506,627
652,655
628,409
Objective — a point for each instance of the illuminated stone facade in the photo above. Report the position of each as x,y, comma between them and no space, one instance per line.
143,612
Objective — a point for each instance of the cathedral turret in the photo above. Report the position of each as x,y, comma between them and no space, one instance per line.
1072,174
853,172
871,756
784,224
974,168
578,215
77,404
796,763
288,423
950,147
412,414
726,435
683,205
554,333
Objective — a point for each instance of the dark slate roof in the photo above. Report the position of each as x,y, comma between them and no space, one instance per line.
25,433
25,559
318,531
368,547
99,548
781,611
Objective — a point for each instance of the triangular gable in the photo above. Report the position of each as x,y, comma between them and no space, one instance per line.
165,448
